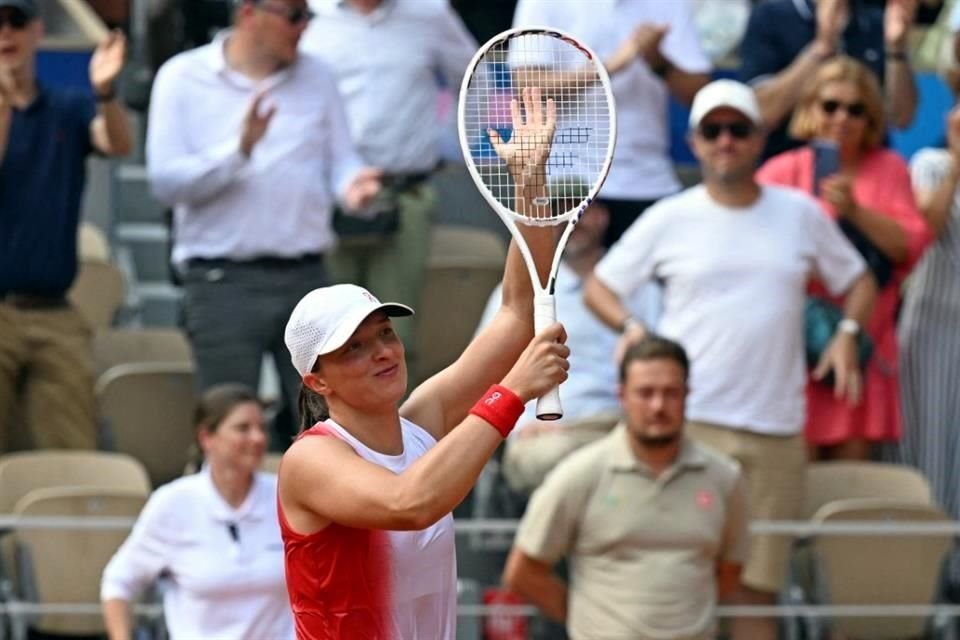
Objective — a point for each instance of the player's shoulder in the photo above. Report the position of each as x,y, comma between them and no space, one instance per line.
787,200
689,201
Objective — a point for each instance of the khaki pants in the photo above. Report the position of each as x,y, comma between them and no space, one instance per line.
774,468
529,457
392,268
46,379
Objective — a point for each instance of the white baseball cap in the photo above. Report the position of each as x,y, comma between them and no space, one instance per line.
325,318
725,93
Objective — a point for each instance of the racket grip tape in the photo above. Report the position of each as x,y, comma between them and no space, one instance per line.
545,314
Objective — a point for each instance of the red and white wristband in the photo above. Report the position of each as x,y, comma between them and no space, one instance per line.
500,407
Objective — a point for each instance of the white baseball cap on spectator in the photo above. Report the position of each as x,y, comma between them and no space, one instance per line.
325,318
725,94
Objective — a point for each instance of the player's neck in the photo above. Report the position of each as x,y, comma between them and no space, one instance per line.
658,459
378,429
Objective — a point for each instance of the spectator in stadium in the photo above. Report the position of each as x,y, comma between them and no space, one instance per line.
591,405
654,524
787,40
929,345
411,50
652,52
46,134
248,141
212,537
734,258
872,200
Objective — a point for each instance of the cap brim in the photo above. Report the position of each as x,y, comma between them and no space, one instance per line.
339,337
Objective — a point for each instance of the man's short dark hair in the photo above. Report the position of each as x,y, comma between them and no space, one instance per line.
654,347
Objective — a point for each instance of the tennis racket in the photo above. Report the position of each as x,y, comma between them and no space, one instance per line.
502,89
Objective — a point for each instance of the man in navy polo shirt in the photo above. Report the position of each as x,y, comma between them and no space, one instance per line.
786,40
45,135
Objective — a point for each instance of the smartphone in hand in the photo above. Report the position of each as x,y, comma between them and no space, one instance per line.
826,162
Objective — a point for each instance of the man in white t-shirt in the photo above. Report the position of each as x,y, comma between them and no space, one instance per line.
652,52
735,258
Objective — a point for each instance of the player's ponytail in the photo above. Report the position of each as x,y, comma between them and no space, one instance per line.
313,408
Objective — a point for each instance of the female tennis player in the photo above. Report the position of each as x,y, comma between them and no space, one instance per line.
366,492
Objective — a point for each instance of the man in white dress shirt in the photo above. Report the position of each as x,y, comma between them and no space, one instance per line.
652,52
248,142
391,58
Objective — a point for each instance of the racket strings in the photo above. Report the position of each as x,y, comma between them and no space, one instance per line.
581,141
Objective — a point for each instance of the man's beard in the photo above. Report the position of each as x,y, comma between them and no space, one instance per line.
657,442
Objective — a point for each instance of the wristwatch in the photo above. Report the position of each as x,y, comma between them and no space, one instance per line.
628,323
849,326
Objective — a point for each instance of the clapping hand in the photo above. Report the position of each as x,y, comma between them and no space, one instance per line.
107,62
897,20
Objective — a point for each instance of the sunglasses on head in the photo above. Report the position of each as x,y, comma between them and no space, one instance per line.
294,15
738,130
853,109
16,19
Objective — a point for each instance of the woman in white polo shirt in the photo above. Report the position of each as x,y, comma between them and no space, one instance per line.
211,537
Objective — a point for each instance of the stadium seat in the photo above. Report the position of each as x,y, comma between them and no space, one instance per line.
97,292
92,243
63,566
148,413
115,346
879,569
829,481
465,265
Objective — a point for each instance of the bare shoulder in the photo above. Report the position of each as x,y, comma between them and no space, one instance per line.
310,458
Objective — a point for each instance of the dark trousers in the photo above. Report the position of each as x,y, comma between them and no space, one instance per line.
623,213
235,312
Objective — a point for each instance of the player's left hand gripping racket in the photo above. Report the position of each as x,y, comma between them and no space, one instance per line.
502,129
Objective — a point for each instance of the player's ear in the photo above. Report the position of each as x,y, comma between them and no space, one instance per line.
316,382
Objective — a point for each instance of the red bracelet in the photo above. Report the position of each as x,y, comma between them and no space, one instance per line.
500,407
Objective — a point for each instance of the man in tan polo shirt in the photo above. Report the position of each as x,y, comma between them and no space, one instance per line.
654,524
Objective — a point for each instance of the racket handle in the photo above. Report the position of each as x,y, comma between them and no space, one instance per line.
545,314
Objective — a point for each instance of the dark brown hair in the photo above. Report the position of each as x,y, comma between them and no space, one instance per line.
214,405
654,347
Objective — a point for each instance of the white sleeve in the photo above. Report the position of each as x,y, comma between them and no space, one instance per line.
146,552
682,42
179,174
953,22
454,47
631,261
533,13
928,167
837,261
344,161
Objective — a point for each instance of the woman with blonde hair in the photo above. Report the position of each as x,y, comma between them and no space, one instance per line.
867,190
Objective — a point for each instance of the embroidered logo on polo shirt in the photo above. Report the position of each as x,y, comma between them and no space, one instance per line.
704,499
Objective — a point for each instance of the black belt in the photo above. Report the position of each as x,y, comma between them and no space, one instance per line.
268,262
33,301
404,181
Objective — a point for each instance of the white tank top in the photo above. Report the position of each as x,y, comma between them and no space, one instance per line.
425,561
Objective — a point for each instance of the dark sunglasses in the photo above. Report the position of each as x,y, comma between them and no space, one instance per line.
738,130
294,15
16,19
853,109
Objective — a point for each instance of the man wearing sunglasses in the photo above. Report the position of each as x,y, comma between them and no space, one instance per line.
734,258
46,134
248,142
